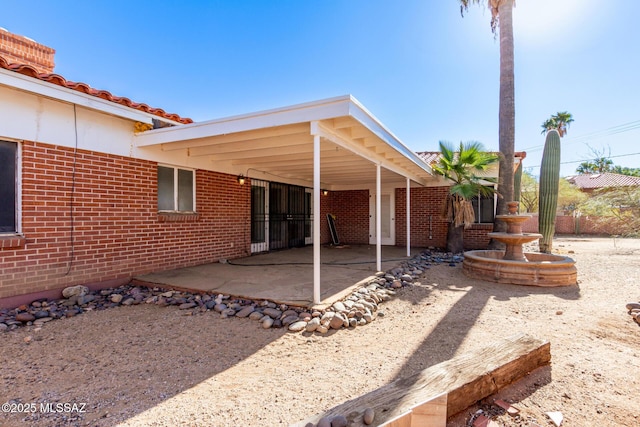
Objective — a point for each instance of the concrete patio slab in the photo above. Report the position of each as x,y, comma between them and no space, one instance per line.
285,276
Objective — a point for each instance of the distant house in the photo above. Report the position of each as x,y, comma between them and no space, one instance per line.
96,189
591,182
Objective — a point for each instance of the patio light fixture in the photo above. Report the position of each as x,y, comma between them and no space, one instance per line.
241,179
325,192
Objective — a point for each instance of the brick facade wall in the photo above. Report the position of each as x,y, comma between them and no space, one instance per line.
475,237
117,231
21,50
566,224
427,226
351,209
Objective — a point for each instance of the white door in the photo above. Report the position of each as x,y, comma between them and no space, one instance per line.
387,218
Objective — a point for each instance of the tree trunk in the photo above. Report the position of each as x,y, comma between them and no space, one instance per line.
455,238
507,111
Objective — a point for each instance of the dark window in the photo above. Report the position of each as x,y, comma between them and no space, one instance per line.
8,160
483,207
175,189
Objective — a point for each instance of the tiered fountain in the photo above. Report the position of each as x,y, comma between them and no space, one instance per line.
513,265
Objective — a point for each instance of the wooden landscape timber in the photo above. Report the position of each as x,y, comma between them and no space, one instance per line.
457,383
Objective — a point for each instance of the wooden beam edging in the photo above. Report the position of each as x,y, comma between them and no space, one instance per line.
465,379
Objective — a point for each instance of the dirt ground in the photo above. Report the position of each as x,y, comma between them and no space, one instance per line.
151,366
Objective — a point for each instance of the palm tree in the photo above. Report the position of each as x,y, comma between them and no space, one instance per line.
501,18
599,165
559,122
461,168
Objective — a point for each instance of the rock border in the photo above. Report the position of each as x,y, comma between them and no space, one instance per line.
360,307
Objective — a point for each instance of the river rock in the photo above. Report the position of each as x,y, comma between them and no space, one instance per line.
339,306
187,305
25,317
288,313
220,307
322,329
313,324
85,299
3,327
339,421
267,322
305,316
40,314
633,305
406,278
227,312
75,290
289,320
272,312
324,422
297,326
116,298
256,315
336,322
245,311
327,316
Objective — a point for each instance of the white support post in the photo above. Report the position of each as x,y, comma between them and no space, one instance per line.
378,221
408,217
316,219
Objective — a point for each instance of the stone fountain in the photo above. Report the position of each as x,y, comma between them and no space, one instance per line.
513,265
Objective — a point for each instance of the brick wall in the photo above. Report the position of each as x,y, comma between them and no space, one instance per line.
427,226
566,224
21,50
351,209
325,235
475,237
117,231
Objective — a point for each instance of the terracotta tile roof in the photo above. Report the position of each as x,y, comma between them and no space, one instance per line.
431,157
57,79
603,180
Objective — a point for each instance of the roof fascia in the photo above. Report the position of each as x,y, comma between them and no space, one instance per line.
49,90
300,113
318,129
362,115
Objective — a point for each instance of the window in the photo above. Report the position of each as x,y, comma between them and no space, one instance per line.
484,208
176,189
8,193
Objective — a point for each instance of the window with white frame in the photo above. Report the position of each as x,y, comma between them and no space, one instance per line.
8,187
176,189
484,208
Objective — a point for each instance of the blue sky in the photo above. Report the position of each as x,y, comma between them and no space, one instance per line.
424,71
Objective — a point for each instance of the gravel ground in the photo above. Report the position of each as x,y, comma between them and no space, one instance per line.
152,366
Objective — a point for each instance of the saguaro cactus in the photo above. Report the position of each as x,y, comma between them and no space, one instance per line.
548,198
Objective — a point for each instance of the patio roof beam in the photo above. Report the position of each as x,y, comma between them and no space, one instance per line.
318,128
215,146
